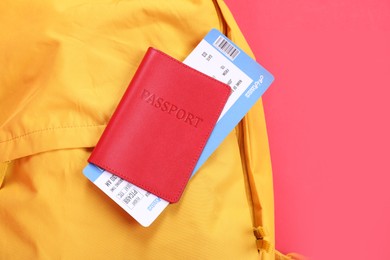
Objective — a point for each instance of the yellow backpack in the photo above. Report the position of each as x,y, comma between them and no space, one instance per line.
64,66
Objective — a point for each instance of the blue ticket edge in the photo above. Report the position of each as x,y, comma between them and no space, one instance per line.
239,109
262,79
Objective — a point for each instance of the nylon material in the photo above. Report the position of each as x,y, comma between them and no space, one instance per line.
222,190
92,62
50,139
254,121
151,18
21,70
233,200
246,176
256,205
261,198
262,169
3,172
248,192
64,204
222,22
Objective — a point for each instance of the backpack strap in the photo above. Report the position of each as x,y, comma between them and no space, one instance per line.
264,241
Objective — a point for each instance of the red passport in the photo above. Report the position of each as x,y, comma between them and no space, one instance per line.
161,125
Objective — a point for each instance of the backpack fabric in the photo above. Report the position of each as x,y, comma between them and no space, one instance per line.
64,67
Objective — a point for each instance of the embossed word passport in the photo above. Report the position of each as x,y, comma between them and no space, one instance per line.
161,125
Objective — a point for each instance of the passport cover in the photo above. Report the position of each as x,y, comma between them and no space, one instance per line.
161,125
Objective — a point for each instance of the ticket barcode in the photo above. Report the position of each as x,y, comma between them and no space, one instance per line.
227,48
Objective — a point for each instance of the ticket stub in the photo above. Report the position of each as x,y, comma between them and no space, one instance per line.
217,57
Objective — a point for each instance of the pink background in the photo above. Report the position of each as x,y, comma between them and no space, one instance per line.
328,115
